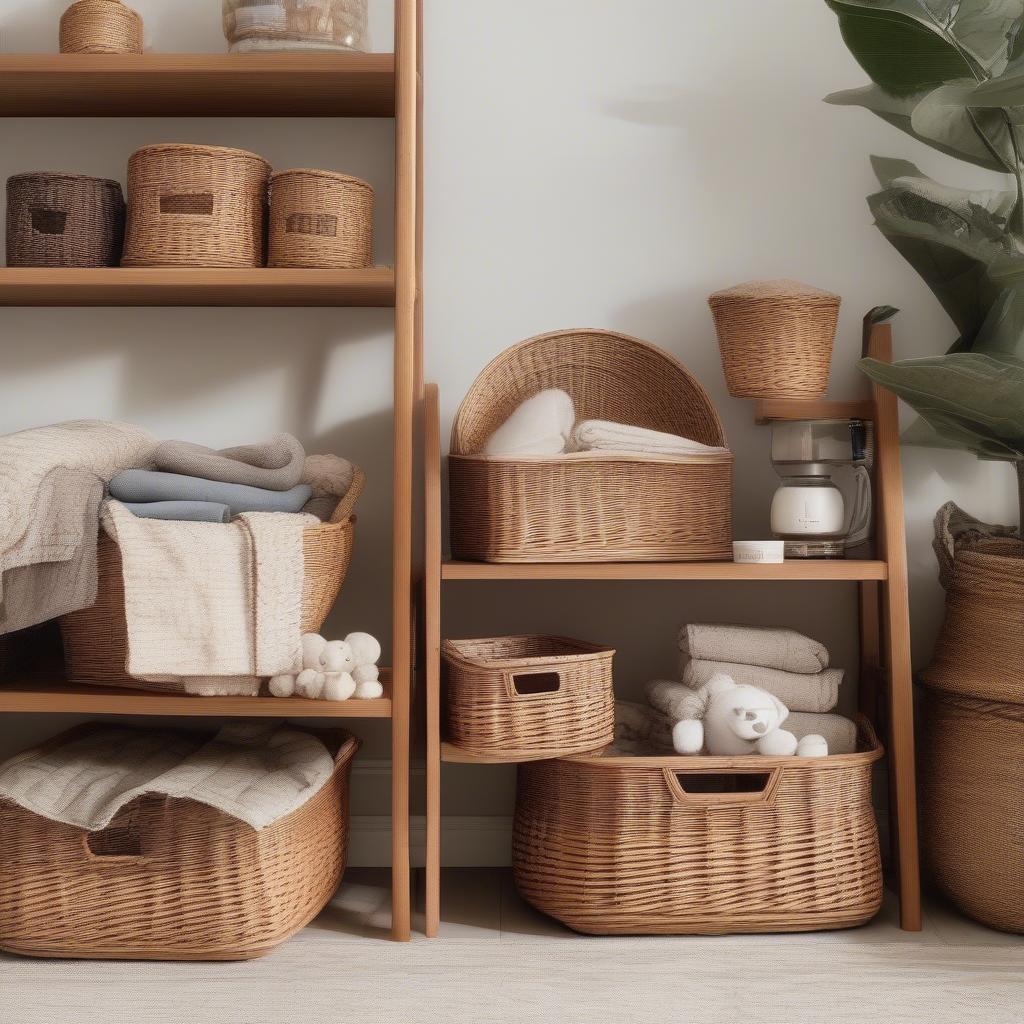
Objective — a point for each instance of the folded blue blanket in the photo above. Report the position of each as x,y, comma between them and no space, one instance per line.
181,511
144,485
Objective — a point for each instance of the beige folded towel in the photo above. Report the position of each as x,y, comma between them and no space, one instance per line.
839,731
276,464
784,649
606,436
799,692
642,725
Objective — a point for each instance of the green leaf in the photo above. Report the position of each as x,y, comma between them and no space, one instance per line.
943,116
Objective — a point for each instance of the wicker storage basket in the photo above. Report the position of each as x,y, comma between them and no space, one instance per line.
100,26
700,845
295,25
172,879
64,220
588,506
972,815
519,698
776,338
196,206
320,219
96,638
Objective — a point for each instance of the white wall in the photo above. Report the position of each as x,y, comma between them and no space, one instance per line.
588,163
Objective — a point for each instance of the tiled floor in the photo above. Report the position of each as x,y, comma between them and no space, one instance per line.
499,961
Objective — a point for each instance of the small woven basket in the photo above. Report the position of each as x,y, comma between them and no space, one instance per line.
590,506
100,26
520,698
96,638
320,219
172,879
776,338
64,220
196,206
700,845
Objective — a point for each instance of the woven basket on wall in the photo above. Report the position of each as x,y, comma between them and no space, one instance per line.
100,26
518,698
590,506
64,220
196,206
700,845
776,338
320,219
96,638
172,879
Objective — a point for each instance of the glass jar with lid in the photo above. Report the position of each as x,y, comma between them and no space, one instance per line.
295,25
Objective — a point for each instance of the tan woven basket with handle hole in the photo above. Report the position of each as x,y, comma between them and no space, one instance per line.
590,506
700,845
96,638
776,338
172,879
100,26
518,698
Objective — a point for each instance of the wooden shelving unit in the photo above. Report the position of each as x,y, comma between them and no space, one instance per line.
885,676
297,85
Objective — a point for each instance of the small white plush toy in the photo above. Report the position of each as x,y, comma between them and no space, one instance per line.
365,653
726,718
329,669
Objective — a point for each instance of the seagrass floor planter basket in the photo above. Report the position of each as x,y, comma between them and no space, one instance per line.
615,845
196,206
590,506
518,698
172,879
64,220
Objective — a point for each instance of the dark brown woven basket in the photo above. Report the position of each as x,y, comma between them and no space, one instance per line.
172,879
518,698
700,845
100,26
590,506
64,220
196,206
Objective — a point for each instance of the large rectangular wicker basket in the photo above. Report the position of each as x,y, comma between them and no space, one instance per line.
172,879
700,845
590,506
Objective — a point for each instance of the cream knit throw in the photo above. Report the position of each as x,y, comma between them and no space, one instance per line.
216,606
784,649
799,692
605,436
51,486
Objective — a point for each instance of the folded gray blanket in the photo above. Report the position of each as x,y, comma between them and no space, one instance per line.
798,691
141,485
770,647
181,511
275,464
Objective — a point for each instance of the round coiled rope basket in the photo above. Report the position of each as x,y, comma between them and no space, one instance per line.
100,26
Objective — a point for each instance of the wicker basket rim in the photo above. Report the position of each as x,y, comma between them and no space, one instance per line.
315,172
87,3
582,650
59,176
781,288
570,458
509,353
190,147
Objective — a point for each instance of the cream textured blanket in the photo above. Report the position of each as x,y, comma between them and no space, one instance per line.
257,773
51,486
214,605
799,692
605,436
784,649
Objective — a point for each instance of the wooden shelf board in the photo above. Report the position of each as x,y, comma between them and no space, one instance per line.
794,570
174,286
766,410
197,85
54,695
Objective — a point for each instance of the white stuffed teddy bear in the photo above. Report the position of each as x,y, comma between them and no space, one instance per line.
726,718
333,670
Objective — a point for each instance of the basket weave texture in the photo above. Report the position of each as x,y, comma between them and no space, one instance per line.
589,506
634,845
100,26
172,879
64,220
492,711
776,338
320,219
196,206
96,638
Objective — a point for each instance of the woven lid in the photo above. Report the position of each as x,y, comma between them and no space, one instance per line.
772,291
313,172
58,176
188,147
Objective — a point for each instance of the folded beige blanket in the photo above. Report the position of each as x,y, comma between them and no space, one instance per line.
606,436
51,486
216,606
784,649
799,692
275,465
839,731
255,772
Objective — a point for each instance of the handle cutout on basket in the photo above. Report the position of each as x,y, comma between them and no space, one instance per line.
321,224
723,787
121,839
47,221
532,684
197,204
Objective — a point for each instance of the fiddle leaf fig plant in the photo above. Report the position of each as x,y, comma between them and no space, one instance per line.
950,73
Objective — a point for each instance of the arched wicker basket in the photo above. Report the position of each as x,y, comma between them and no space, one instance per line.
590,506
100,26
96,638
